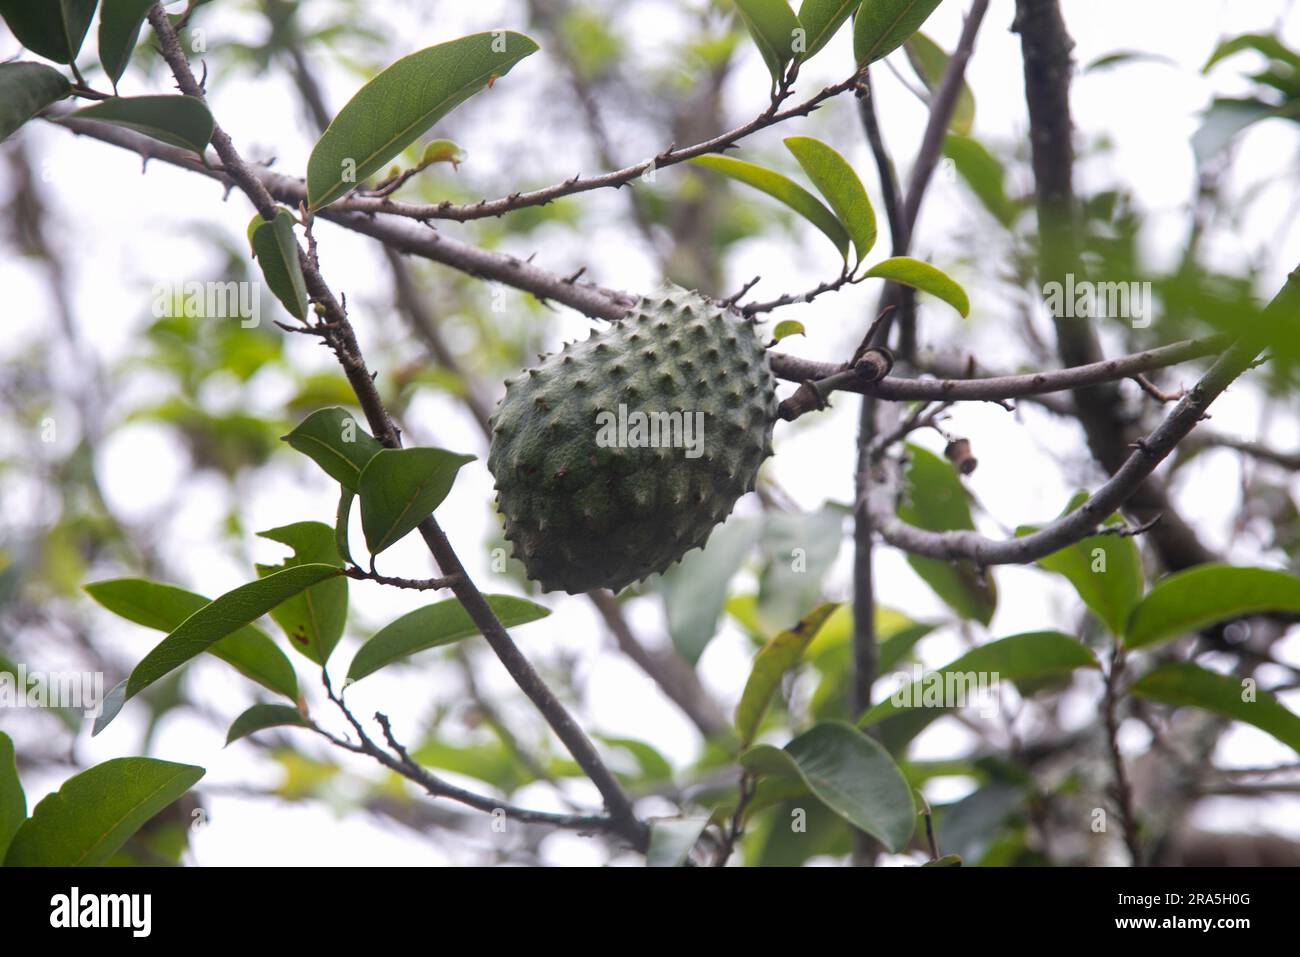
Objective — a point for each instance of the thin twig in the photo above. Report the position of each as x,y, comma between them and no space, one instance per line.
1122,789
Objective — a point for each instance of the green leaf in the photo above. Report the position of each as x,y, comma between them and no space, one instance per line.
341,520
922,276
1106,570
88,819
179,120
970,826
652,765
984,175
799,549
836,181
1108,61
821,19
786,190
882,26
1188,601
787,327
400,488
770,665
262,716
948,860
13,803
25,90
398,106
332,439
52,28
831,653
930,61
849,773
276,250
1224,119
442,151
1182,683
695,591
432,626
1265,43
775,842
491,761
1026,657
671,840
163,607
773,26
936,501
119,31
222,617
312,619
109,708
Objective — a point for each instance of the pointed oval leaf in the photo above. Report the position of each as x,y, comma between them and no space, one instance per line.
119,31
95,812
882,26
313,619
1224,119
332,439
786,190
400,488
13,803
922,276
929,60
775,31
341,519
1105,570
262,716
443,151
984,174
179,120
1027,657
398,106
839,184
821,19
936,501
276,250
695,591
788,327
433,625
109,707
221,617
163,607
671,840
1265,43
25,90
1182,683
848,772
1187,601
53,28
787,590
653,766
770,665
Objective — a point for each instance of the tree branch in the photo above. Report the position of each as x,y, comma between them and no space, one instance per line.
673,155
603,303
345,345
1046,47
1085,521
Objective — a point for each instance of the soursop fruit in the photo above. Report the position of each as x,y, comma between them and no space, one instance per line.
620,453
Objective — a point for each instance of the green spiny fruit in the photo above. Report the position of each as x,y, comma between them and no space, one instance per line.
619,454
